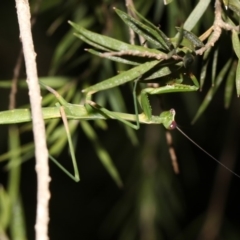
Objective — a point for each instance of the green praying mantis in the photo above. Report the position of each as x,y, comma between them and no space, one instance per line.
92,111
89,111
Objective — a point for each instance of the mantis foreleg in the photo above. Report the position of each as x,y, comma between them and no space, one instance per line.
116,116
176,87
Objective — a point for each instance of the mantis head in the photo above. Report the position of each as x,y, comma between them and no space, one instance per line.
168,119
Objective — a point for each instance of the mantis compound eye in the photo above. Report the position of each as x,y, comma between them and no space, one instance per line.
172,126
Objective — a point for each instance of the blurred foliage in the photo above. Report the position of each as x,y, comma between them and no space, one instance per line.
154,202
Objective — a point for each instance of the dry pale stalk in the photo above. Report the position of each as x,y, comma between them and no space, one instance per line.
41,153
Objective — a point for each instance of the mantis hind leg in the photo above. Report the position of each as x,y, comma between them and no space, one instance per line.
75,176
62,102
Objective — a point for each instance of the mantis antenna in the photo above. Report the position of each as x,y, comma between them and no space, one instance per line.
174,126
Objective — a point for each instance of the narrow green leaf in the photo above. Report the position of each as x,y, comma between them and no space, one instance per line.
51,126
123,77
116,102
5,204
195,41
93,43
24,149
236,43
238,79
18,224
229,85
203,74
150,34
59,138
67,47
154,28
102,153
214,66
205,65
196,14
148,23
164,71
194,80
212,91
107,43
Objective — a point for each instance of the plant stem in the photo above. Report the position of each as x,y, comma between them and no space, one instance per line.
41,153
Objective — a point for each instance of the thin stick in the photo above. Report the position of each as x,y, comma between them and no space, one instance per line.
184,134
41,153
218,26
172,153
16,72
129,5
18,65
